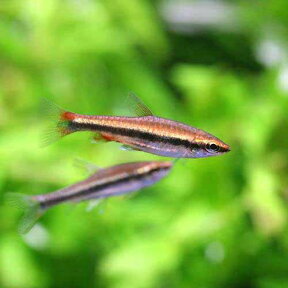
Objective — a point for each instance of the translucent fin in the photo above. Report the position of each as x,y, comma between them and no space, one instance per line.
130,195
128,148
89,167
137,107
175,160
100,138
97,138
32,210
59,122
92,204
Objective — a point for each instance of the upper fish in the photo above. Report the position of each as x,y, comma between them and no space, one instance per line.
145,132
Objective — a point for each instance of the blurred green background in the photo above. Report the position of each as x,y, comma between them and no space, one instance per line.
217,65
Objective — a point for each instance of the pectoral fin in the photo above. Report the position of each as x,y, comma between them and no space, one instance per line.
128,148
92,204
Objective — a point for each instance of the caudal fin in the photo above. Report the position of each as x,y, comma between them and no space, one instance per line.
31,207
59,122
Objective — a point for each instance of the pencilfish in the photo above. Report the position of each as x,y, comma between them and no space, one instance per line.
145,132
112,181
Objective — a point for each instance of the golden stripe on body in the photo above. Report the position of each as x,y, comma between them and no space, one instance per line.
160,128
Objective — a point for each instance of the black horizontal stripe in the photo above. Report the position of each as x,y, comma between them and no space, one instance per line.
136,133
97,188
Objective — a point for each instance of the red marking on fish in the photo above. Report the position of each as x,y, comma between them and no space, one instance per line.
68,116
108,138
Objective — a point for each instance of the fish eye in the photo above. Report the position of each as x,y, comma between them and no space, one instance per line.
212,147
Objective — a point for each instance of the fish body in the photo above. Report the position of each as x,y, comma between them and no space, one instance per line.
151,134
145,132
112,181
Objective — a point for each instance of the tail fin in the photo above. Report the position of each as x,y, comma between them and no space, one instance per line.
59,122
31,207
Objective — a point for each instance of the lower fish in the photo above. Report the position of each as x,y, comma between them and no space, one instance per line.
145,132
112,181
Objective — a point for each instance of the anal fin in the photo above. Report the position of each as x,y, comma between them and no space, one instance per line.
92,204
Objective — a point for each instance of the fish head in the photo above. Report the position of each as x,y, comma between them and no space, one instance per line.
206,145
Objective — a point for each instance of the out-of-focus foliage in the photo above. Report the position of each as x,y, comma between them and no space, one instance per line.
217,222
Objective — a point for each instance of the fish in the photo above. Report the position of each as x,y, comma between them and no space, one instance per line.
103,183
144,132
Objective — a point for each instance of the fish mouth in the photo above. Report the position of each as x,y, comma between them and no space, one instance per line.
225,148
